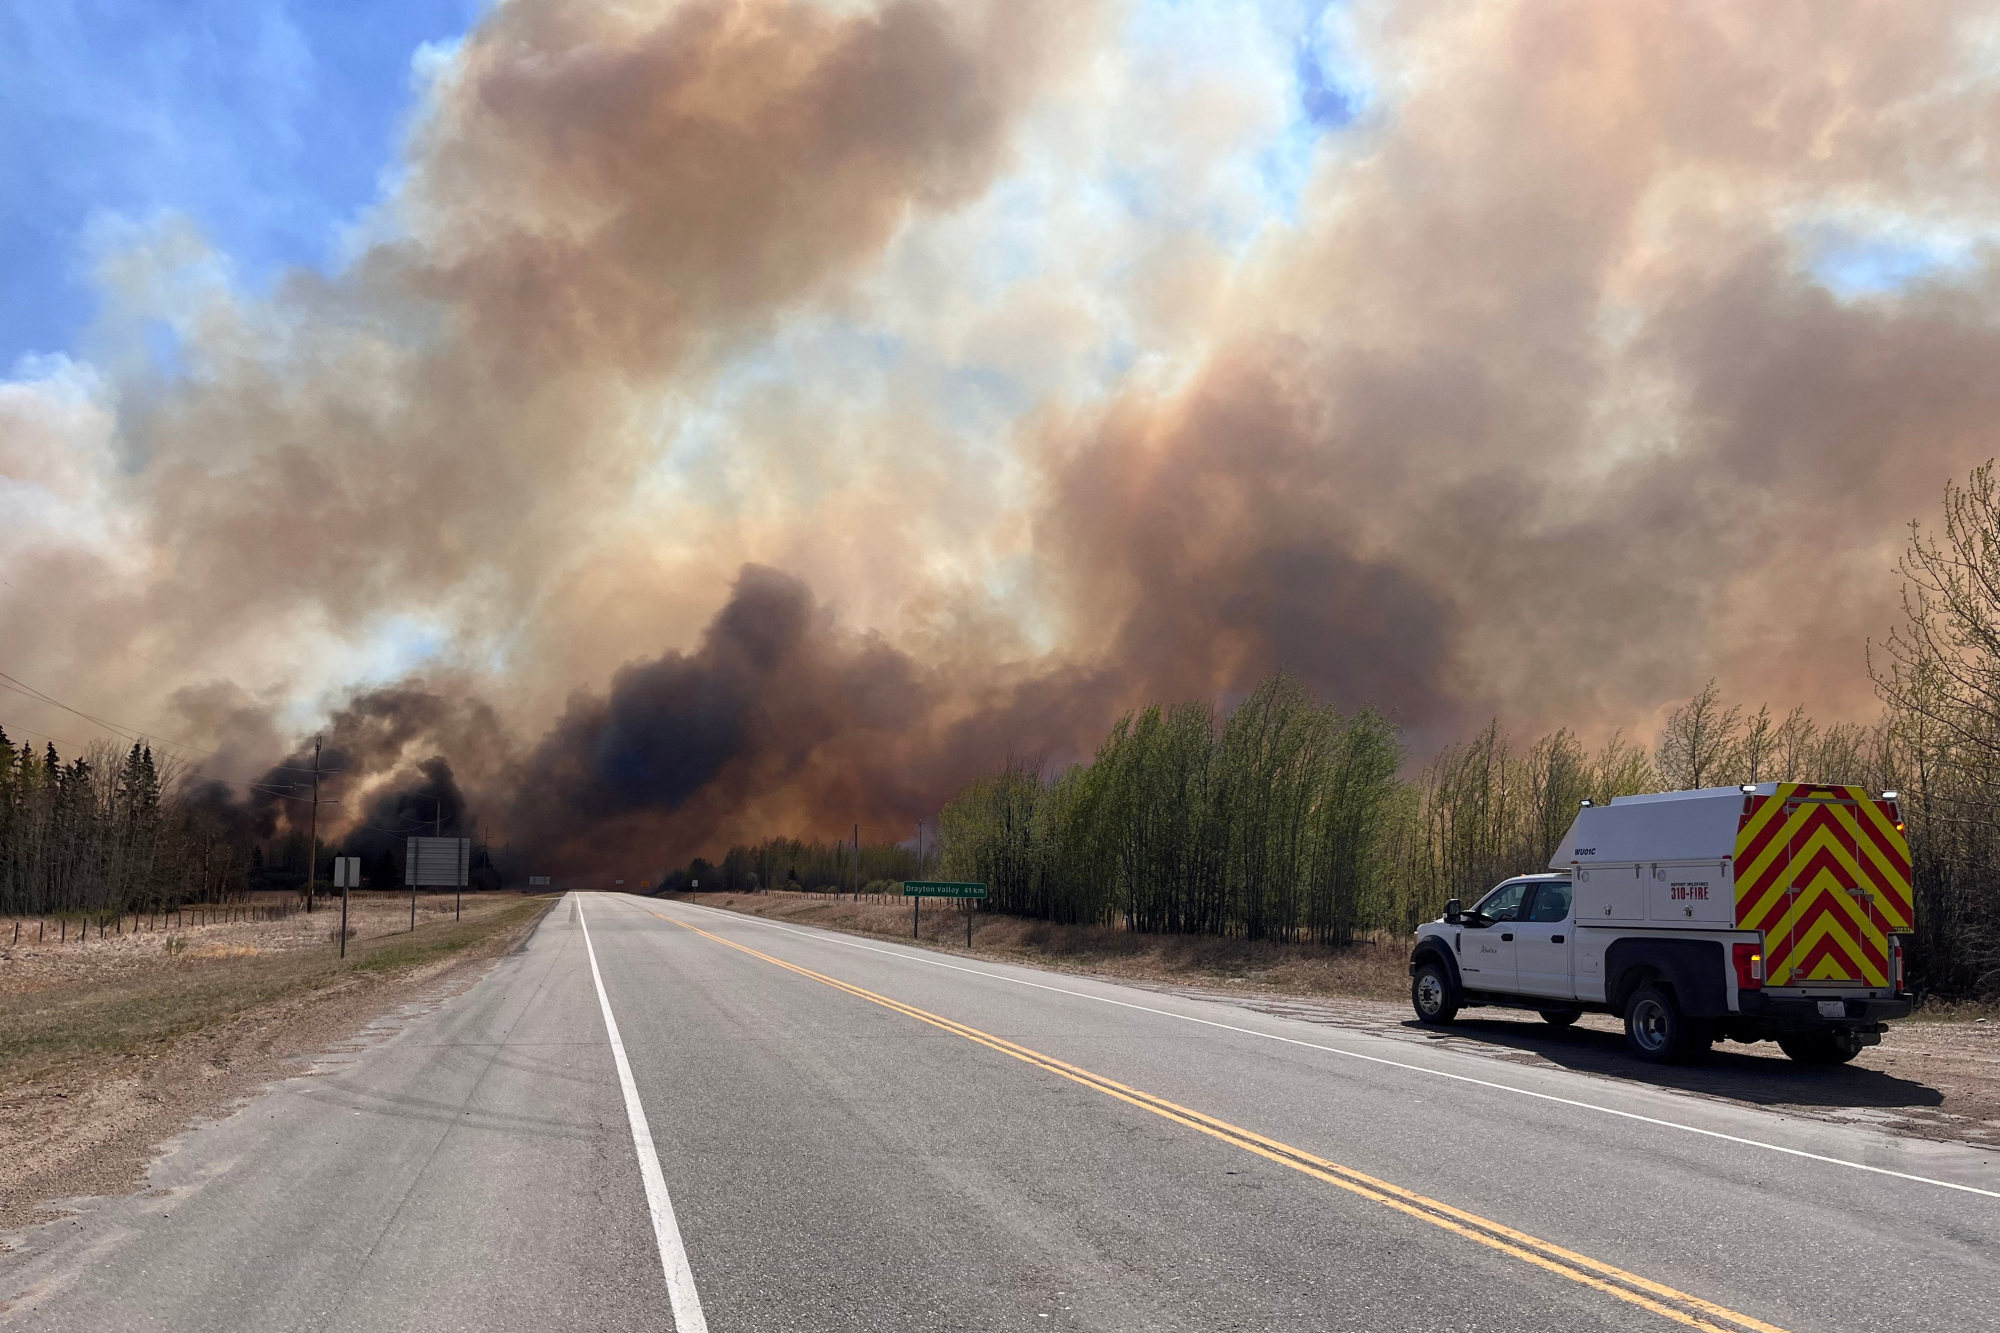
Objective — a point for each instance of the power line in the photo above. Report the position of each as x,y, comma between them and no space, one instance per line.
19,686
59,740
78,745
125,730
251,784
263,788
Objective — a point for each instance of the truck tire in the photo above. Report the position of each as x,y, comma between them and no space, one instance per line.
1657,1031
1559,1018
1433,995
1818,1048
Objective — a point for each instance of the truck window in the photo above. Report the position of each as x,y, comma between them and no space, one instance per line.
1504,903
1551,903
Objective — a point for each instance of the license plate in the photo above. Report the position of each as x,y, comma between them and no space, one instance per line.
1833,1008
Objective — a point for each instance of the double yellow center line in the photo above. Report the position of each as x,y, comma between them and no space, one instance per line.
1629,1287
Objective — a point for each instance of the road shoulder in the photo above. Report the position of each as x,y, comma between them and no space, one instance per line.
1930,1079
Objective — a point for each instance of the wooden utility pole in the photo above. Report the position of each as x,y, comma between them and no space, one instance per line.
857,863
437,830
312,857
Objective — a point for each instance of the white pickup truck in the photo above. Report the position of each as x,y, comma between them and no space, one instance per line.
1773,912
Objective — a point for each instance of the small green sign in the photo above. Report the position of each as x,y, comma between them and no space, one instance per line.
932,888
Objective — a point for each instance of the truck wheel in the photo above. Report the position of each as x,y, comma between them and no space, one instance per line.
1433,996
1819,1048
1657,1031
1559,1018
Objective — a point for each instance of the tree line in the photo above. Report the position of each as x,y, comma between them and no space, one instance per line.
1286,820
794,865
111,831
1262,823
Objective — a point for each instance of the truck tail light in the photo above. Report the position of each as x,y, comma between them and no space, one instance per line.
1896,964
1749,960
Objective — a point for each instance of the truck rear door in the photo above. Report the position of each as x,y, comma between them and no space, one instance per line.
1824,873
1829,933
1543,940
1885,867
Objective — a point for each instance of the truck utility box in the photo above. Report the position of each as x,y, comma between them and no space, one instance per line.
1822,872
1766,912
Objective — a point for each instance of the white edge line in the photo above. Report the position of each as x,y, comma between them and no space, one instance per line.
912,956
688,1317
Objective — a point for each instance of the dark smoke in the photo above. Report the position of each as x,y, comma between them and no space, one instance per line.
776,714
387,761
426,804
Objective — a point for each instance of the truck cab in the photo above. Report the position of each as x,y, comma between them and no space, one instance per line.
1518,939
1758,913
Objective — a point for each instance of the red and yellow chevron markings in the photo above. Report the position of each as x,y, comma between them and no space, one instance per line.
1824,872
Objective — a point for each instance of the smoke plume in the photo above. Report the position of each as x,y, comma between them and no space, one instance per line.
747,416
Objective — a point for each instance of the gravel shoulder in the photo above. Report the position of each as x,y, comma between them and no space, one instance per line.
1933,1077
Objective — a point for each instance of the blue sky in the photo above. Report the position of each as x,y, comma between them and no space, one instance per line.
1855,264
268,122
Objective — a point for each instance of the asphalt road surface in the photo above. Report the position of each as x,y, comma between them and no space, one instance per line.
794,1130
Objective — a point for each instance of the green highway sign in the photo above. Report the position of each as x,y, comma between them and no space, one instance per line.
931,888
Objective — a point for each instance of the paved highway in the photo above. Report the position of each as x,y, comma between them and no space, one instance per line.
793,1130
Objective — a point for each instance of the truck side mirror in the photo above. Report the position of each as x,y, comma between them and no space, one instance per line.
1451,911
